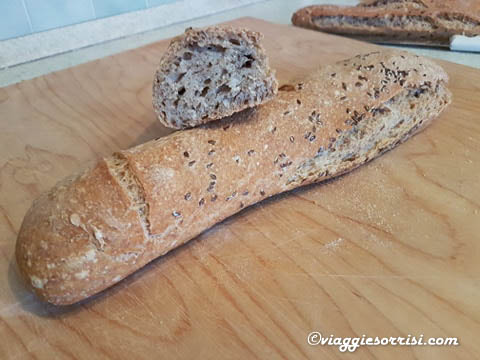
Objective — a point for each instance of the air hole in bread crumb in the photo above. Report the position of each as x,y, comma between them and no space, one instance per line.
204,91
180,76
247,64
223,88
181,91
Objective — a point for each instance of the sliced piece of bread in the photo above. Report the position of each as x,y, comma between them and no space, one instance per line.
208,74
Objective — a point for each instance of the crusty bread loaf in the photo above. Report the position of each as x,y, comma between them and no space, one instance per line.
94,229
395,21
208,74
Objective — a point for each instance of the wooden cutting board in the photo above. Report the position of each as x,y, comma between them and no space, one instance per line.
391,249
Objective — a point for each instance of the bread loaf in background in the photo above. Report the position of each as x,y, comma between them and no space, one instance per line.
95,228
208,74
395,21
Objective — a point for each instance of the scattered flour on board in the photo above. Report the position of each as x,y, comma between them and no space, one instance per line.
332,246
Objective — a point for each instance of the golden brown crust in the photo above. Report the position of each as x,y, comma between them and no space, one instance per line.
192,179
395,21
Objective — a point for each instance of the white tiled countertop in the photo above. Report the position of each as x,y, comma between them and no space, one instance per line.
278,11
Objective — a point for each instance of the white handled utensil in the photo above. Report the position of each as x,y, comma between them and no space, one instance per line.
465,43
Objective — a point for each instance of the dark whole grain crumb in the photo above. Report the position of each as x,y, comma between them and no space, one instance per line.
211,142
299,102
211,186
343,98
228,198
188,196
226,127
241,205
363,78
333,74
338,131
250,152
191,163
344,86
262,192
292,139
285,164
300,86
201,202
186,154
286,113
274,130
348,111
358,84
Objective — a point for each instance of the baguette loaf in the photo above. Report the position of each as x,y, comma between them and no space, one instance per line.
395,21
208,74
94,229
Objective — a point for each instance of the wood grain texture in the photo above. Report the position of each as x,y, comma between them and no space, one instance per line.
389,250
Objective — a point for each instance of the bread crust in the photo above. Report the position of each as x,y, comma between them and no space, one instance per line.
416,21
148,200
